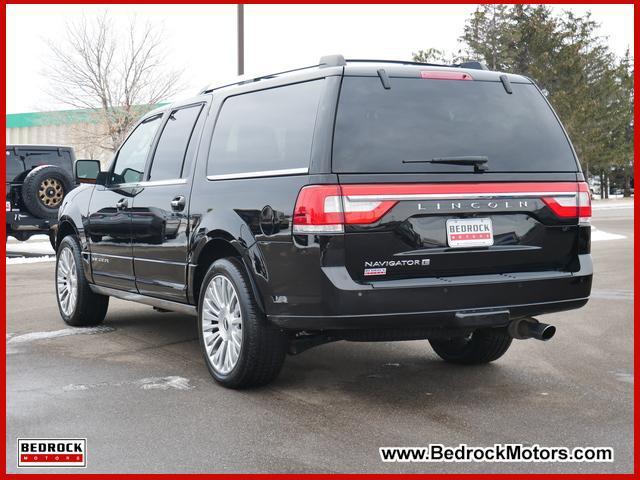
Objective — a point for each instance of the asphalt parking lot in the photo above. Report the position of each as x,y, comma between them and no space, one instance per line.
138,389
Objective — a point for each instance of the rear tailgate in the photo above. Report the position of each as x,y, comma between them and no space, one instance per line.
451,229
446,175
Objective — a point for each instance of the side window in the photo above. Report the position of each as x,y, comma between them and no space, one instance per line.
171,151
265,130
132,156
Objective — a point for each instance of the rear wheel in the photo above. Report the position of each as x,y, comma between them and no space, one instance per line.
78,305
240,348
481,346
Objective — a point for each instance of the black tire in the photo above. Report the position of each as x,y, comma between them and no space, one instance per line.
55,182
483,346
263,346
90,308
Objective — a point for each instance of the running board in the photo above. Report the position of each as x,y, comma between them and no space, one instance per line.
154,302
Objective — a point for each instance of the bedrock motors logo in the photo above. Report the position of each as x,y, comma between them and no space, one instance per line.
52,452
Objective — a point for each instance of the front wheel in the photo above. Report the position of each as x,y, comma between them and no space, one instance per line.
240,348
481,346
78,305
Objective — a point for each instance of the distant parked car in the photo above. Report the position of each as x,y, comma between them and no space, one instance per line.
38,178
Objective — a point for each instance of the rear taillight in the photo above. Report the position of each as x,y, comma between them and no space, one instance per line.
327,208
318,210
572,205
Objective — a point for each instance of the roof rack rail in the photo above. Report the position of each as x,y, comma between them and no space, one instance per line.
470,64
397,62
333,61
326,61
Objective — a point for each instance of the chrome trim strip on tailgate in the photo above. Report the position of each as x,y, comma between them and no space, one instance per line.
454,196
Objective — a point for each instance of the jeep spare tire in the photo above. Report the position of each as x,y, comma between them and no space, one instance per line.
43,190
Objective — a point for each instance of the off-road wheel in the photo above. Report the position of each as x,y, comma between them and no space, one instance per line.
43,190
78,305
241,349
482,346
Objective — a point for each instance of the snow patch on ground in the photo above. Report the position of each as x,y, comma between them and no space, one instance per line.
34,336
151,383
41,248
32,239
599,235
35,250
23,260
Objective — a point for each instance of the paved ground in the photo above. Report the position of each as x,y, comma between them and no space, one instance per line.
142,396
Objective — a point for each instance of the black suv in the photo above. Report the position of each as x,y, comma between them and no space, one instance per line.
38,178
351,200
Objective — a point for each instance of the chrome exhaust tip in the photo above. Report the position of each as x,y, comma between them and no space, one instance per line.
524,328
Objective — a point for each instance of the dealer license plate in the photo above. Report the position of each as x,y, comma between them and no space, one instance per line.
469,232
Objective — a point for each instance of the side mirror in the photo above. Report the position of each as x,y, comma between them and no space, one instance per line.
87,171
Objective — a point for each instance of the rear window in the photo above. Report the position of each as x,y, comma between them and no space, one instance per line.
420,120
28,159
265,131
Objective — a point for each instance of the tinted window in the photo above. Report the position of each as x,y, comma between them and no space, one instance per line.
265,130
27,160
193,146
35,158
15,166
172,146
377,129
132,156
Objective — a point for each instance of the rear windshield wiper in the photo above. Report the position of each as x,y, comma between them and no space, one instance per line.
479,162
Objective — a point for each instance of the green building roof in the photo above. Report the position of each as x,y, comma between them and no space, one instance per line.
57,117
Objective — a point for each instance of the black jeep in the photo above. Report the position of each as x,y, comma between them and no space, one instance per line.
38,178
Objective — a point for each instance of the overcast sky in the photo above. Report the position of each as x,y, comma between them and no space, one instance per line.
201,38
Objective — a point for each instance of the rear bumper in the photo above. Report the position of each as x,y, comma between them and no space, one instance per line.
22,221
452,302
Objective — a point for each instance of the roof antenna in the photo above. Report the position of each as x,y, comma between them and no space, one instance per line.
384,78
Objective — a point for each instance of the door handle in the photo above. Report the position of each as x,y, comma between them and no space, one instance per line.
122,204
178,203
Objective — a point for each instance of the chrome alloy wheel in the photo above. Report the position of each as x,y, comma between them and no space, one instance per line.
221,324
67,281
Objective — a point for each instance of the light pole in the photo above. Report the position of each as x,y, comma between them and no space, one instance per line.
240,39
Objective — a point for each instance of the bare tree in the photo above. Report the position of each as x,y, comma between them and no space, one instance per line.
117,74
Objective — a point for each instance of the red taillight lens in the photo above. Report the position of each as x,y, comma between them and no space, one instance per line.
318,210
327,208
572,205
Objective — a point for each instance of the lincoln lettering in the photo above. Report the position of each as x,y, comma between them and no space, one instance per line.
475,205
